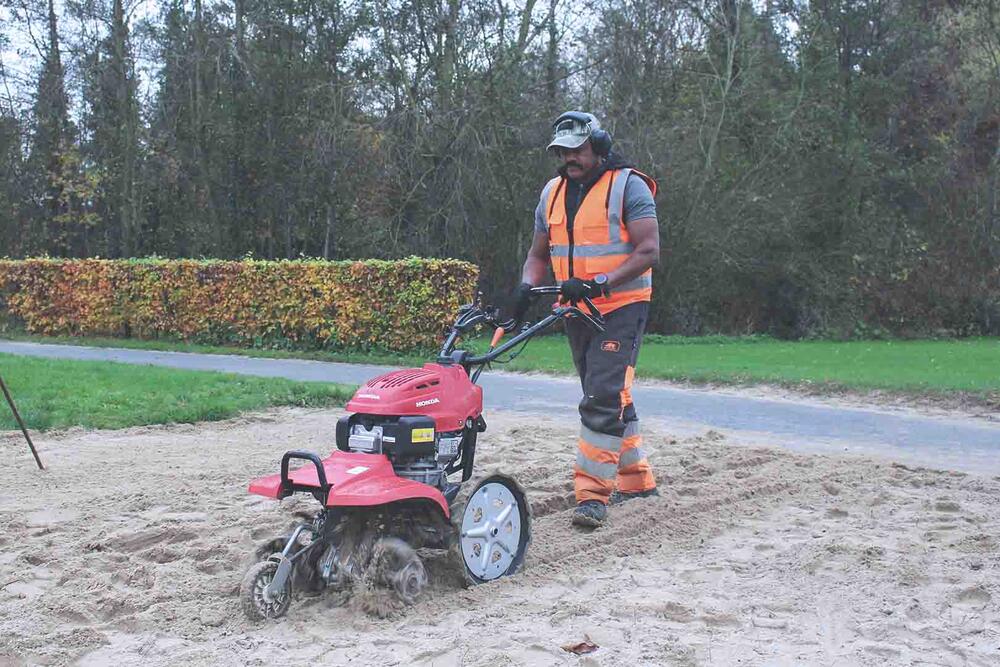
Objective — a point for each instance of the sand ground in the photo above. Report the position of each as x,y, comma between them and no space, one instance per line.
129,550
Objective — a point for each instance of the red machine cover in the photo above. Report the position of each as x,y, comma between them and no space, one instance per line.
444,393
355,479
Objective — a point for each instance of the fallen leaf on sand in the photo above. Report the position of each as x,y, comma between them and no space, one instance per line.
580,648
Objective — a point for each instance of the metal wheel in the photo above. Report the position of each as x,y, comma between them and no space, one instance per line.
256,602
494,529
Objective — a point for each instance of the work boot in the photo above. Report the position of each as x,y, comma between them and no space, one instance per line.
590,513
619,497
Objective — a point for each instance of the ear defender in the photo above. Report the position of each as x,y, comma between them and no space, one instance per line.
601,141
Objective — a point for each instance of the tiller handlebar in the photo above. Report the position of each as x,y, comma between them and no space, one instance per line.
474,314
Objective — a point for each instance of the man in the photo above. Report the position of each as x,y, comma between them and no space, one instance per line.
596,224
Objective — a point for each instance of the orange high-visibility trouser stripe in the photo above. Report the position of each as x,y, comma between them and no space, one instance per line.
626,393
634,471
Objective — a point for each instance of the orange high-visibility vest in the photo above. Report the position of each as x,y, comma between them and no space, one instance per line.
598,241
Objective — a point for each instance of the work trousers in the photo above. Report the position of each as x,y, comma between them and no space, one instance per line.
610,444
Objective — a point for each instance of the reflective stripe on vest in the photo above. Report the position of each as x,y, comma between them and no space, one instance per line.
600,239
546,195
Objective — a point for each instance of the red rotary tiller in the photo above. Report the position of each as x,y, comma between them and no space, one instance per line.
385,490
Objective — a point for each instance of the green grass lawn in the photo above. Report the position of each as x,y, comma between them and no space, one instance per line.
347,356
921,366
52,393
926,367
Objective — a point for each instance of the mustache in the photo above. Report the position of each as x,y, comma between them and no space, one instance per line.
573,164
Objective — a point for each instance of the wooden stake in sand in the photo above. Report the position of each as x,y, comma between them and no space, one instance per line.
20,422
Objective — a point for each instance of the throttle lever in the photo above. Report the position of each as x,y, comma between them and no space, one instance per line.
594,312
597,324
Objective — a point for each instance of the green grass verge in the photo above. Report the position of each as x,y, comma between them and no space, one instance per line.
56,393
920,367
347,356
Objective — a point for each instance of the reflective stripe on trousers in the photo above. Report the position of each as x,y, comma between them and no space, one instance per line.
604,461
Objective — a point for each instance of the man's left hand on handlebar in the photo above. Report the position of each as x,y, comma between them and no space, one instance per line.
576,289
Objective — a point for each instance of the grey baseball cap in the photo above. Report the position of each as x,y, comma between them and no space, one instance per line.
572,129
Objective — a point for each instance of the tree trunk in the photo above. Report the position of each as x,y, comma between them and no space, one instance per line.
331,221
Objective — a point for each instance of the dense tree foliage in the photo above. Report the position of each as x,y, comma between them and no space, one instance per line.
827,167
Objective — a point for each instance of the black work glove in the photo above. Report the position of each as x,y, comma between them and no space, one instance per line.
521,301
575,289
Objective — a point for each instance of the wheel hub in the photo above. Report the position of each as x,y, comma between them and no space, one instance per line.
265,592
491,531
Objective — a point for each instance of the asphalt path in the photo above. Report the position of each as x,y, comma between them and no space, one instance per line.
946,442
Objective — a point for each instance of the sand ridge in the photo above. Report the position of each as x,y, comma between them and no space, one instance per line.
130,549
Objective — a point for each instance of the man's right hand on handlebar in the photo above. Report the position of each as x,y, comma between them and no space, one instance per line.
522,299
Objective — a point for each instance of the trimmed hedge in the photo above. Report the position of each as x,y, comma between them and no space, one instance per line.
391,305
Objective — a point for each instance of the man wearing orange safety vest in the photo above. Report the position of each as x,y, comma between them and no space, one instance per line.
596,224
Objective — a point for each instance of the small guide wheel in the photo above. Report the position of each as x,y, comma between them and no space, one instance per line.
257,602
